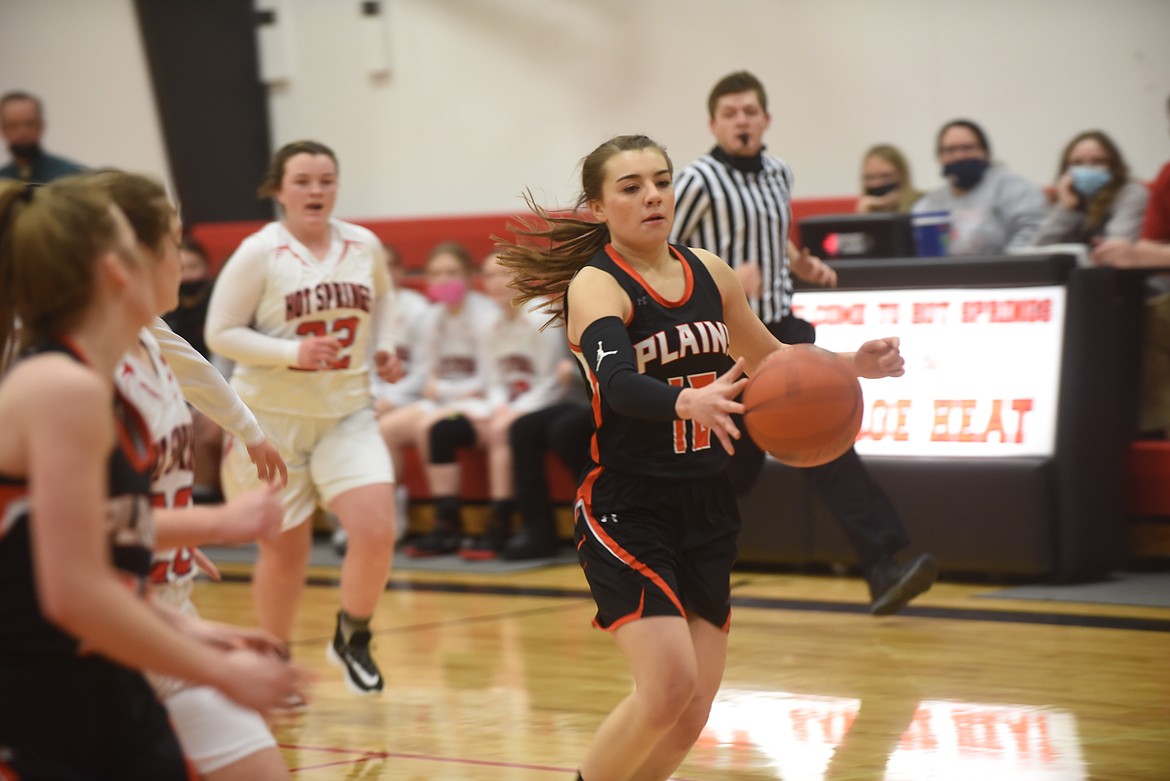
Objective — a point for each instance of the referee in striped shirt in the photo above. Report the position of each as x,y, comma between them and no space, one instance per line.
734,201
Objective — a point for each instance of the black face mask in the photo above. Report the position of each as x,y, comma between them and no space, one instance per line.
882,189
27,151
194,287
965,174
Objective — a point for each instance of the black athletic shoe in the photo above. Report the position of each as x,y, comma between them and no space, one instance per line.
362,675
525,545
436,542
485,548
893,585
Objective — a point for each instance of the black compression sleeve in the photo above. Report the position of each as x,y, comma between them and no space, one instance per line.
607,349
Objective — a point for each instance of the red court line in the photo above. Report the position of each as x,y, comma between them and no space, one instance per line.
365,756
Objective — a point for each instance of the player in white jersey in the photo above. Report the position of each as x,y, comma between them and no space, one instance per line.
409,319
304,307
224,741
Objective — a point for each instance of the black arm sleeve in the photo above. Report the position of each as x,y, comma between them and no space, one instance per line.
607,349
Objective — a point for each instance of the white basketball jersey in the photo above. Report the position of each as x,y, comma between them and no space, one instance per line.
525,360
304,296
152,388
459,347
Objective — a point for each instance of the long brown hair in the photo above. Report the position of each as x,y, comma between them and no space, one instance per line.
50,239
1098,208
143,200
550,249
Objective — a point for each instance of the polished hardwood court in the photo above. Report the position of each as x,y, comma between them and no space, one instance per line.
500,676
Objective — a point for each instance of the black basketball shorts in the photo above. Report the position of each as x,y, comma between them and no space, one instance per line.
653,547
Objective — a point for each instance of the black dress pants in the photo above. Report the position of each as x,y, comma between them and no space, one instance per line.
866,515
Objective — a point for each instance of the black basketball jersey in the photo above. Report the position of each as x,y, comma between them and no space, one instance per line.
682,343
23,628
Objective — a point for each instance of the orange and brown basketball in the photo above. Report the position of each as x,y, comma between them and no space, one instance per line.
803,406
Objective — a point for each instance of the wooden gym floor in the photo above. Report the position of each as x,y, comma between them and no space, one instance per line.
493,677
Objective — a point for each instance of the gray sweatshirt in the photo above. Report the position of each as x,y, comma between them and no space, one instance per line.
1004,210
1124,222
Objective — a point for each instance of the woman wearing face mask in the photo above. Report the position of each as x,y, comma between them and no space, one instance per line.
1095,198
991,209
885,181
304,309
454,409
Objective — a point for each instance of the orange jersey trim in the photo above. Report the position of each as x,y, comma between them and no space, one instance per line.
687,274
585,502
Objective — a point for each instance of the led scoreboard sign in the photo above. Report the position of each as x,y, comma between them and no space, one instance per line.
982,366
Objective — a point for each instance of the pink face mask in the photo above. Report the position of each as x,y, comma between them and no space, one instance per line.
450,292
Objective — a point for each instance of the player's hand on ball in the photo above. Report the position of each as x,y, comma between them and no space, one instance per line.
879,358
388,366
712,405
269,464
317,352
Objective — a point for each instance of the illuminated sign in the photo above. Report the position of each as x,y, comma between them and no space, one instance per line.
803,736
982,366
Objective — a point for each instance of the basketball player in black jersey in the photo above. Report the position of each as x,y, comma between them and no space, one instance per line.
655,329
74,498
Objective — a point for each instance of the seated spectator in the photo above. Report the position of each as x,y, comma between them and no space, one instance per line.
521,364
22,123
564,428
1095,198
886,185
195,282
991,209
1152,250
455,340
187,320
409,314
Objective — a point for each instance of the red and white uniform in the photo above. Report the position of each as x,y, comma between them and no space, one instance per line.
524,363
213,730
458,353
409,319
272,294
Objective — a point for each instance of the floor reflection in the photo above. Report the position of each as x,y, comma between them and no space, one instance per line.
813,738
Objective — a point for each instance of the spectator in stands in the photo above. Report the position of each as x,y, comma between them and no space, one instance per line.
564,428
409,320
991,209
1152,250
456,337
519,362
22,123
886,185
189,317
1095,198
187,320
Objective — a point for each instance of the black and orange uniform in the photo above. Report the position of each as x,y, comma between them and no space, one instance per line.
64,713
655,517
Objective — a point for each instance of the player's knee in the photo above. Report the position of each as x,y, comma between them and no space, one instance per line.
669,697
447,435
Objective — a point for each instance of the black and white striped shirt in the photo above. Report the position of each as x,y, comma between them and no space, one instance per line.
741,215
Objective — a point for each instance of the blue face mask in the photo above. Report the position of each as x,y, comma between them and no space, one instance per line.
1089,179
965,174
